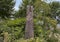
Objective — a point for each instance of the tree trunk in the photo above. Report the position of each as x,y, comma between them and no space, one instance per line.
29,32
6,37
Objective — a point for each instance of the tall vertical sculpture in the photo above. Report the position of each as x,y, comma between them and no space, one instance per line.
29,31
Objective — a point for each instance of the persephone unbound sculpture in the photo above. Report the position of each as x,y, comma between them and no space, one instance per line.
29,31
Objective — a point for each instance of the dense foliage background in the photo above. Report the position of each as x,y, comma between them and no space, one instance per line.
46,17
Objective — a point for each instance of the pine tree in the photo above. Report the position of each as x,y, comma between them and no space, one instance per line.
6,8
55,9
22,9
